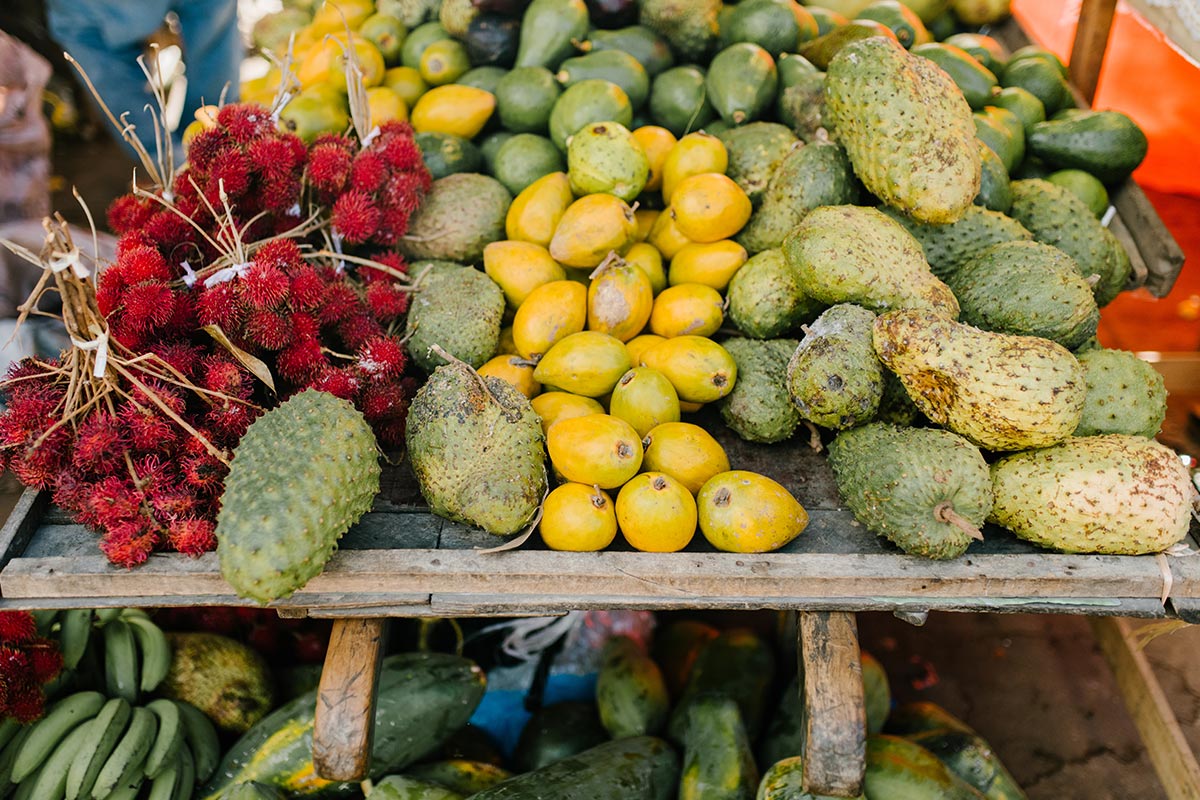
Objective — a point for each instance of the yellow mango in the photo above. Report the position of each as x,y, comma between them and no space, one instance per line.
591,228
686,452
645,399
370,63
687,309
694,154
709,207
597,450
507,346
554,406
551,312
657,142
712,264
578,518
640,344
689,408
744,512
666,237
619,299
336,15
648,260
700,369
515,371
536,211
406,82
315,66
520,267
386,106
645,221
454,109
656,513
588,363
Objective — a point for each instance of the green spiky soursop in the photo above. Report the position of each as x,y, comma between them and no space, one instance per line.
907,128
759,409
852,254
755,150
689,26
765,298
833,377
948,247
460,310
927,490
301,476
1124,395
461,214
1115,494
476,447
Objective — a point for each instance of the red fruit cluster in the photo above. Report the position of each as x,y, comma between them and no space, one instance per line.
27,663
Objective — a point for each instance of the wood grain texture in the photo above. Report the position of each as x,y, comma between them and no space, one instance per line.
832,691
1161,253
1150,709
22,523
345,718
1091,42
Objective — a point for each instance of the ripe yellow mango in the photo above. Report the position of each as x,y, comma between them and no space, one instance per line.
619,300
694,154
645,399
656,513
709,207
686,452
554,406
648,260
700,369
536,211
591,228
596,450
551,312
712,264
506,345
588,363
744,512
645,221
515,371
656,142
578,518
639,344
687,309
666,236
520,267
454,109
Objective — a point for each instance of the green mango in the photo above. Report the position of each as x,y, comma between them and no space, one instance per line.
650,49
992,130
615,66
1108,144
525,97
1022,103
549,29
419,39
975,81
593,100
679,102
820,51
900,20
778,26
741,82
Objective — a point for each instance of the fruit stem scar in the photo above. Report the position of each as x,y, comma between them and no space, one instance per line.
944,512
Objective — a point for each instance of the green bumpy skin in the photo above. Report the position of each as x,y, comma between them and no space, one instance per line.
907,128
461,311
476,447
461,214
689,26
1002,392
755,151
1028,289
948,247
1057,217
896,479
853,254
1124,395
1114,495
301,476
759,408
765,299
833,377
227,680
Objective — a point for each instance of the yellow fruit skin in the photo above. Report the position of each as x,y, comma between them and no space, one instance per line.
406,82
457,110
694,154
386,105
513,370
520,267
687,309
619,300
657,142
709,207
591,228
645,221
335,17
578,518
314,68
639,344
656,513
536,211
645,399
554,406
712,264
744,512
370,62
550,313
699,368
598,450
686,452
648,260
506,347
588,363
666,237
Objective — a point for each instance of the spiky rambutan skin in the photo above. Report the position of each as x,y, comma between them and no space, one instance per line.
305,326
268,329
206,146
230,170
192,536
147,428
99,444
399,147
137,264
386,301
203,472
128,544
282,254
147,306
405,190
358,329
115,499
38,467
45,660
173,503
17,626
169,230
338,302
328,168
301,361
307,288
230,419
245,122
26,702
263,287
382,400
368,172
277,155
183,357
128,213
390,433
219,305
343,383
355,216
220,374
382,358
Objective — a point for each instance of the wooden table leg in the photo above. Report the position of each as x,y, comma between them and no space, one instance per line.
345,720
1151,711
832,692
1091,40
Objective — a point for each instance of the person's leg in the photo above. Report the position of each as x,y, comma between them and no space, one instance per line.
212,52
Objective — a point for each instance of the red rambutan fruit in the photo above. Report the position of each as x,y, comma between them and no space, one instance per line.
358,329
245,121
147,306
130,543
142,264
203,472
268,329
167,229
263,287
98,443
355,216
301,361
219,305
283,254
225,376
305,326
390,432
338,302
204,147
382,358
128,212
173,503
115,499
45,660
191,536
404,190
341,383
328,167
229,170
281,194
307,288
386,301
184,358
382,401
17,626
368,172
26,701
401,151
147,428
40,466
230,419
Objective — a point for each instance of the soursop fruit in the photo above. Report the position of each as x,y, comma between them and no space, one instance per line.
1002,392
947,247
802,106
689,26
1057,217
300,477
477,449
759,408
1029,289
461,311
755,151
1114,494
461,214
907,128
927,491
222,677
765,299
833,377
895,406
853,254
1124,395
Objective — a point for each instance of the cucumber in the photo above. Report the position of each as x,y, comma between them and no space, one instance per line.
971,758
445,154
631,694
640,768
737,664
741,82
974,80
557,732
913,718
898,769
460,775
717,761
1108,144
676,649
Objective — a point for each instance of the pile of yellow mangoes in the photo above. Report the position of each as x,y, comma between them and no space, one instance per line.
612,309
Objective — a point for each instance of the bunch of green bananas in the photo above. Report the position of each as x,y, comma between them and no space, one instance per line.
137,655
88,746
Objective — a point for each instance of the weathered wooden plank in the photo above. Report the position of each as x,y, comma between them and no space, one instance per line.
1162,254
835,724
345,720
21,524
1151,710
1139,273
1090,44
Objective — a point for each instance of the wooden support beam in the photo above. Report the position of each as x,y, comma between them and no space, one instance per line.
835,724
345,719
1091,40
1151,711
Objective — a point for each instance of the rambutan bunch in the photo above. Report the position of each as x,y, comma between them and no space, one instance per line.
27,663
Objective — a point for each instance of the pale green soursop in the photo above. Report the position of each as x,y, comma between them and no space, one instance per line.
759,409
765,298
834,378
689,26
301,476
1124,395
458,309
947,247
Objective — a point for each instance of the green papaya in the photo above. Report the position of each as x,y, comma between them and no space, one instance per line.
631,694
676,649
983,48
460,775
972,759
556,732
1022,103
995,191
402,787
777,26
737,664
785,781
717,761
916,717
640,768
995,127
445,154
898,769
900,20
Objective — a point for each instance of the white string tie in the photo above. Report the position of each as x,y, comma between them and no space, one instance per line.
100,345
370,137
227,274
189,274
73,259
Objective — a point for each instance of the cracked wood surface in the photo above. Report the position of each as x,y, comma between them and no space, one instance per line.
345,718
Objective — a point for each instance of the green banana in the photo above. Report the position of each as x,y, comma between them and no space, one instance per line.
169,738
44,619
7,757
8,730
25,787
164,784
130,753
120,660
106,730
126,791
107,615
126,613
187,776
75,630
51,783
62,718
154,647
202,743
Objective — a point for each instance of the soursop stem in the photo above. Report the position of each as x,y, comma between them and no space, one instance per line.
814,437
438,350
944,512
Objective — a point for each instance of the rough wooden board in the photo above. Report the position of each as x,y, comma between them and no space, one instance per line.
21,524
1168,21
831,687
1162,254
345,719
1091,42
